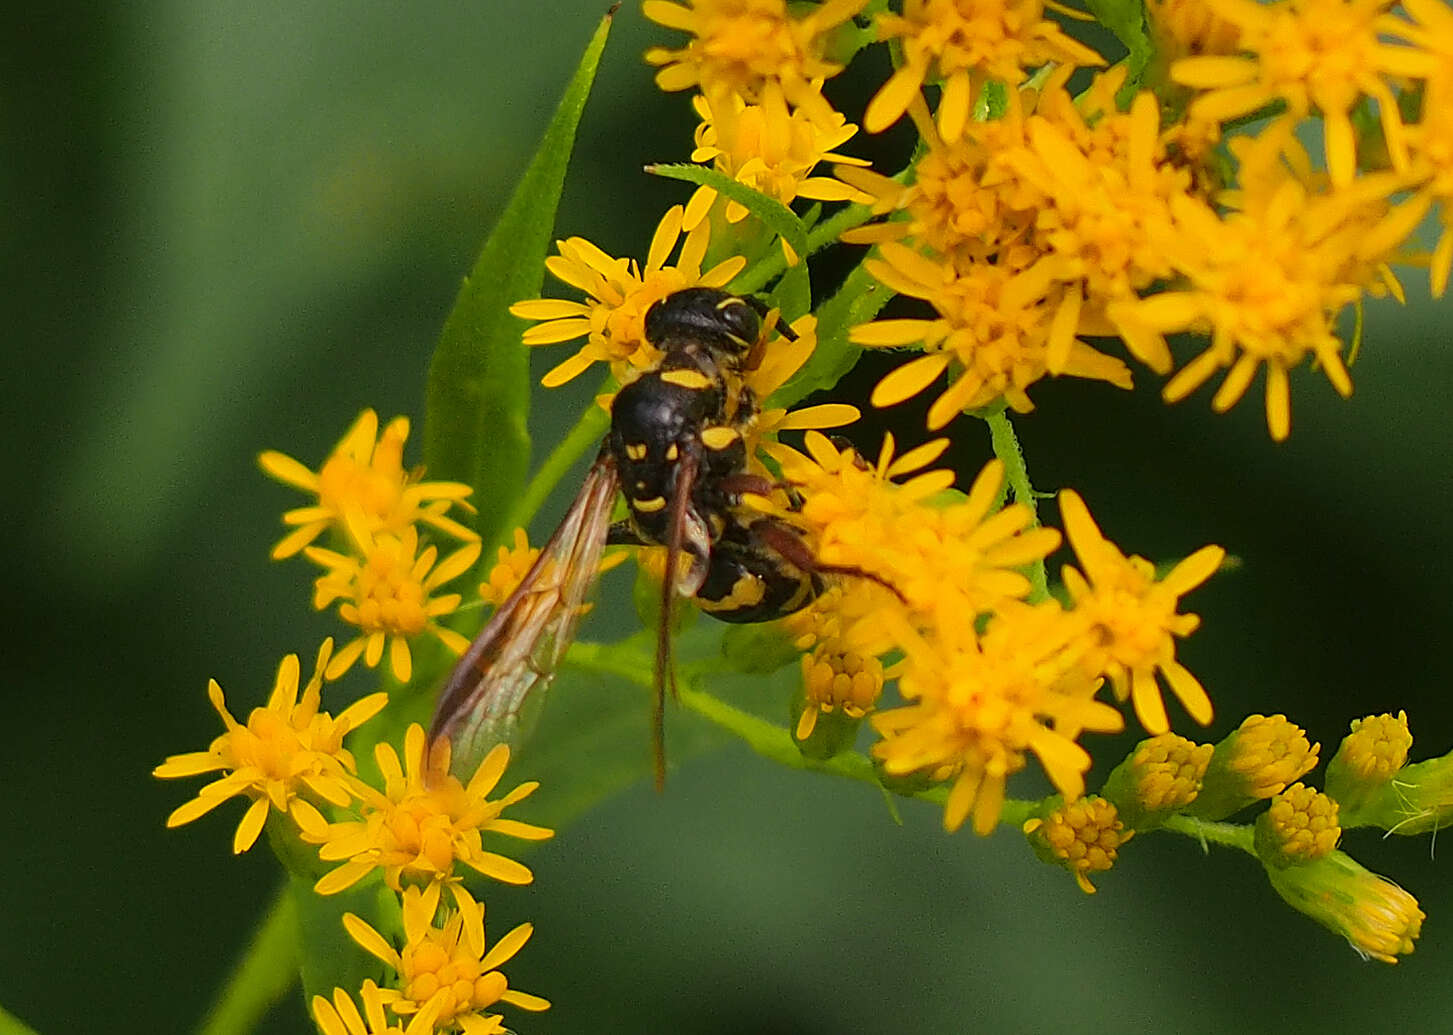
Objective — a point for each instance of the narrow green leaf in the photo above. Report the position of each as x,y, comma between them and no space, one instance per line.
793,290
267,969
475,422
858,300
1126,19
12,1025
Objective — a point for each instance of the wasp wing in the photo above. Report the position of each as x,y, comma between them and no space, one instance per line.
512,660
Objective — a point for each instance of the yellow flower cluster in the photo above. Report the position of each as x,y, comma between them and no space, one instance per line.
988,675
379,570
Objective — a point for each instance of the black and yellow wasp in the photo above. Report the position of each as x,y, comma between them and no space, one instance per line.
677,452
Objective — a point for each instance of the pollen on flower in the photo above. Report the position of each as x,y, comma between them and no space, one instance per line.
1133,618
963,46
362,489
289,756
1083,836
424,820
613,317
1299,827
443,970
388,593
752,48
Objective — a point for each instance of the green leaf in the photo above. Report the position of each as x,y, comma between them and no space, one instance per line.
857,301
12,1025
793,292
475,422
1126,19
331,958
267,969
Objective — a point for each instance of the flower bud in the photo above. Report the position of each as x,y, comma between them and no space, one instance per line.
1158,779
839,687
1368,758
1300,827
1418,801
1256,761
1379,919
1083,836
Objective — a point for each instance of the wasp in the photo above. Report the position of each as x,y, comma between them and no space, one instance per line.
677,453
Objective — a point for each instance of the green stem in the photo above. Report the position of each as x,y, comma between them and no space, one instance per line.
1228,835
1006,448
819,237
587,432
268,968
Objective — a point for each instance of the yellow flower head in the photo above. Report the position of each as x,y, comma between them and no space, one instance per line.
442,970
341,1017
1133,619
386,593
1379,919
999,327
979,704
751,48
613,318
425,819
1160,777
951,556
363,489
1430,146
962,44
1371,755
1256,761
1267,282
288,755
772,150
836,678
1083,836
1299,827
1322,54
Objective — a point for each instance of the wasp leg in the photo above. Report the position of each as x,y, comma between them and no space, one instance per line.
785,541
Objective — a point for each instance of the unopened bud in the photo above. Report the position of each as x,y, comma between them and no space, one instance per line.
1259,759
1299,827
1083,836
1161,777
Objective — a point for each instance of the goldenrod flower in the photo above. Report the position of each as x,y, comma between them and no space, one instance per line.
613,318
1266,283
1299,827
1368,757
424,820
442,970
956,560
836,678
1322,54
999,327
363,489
1379,919
1132,617
962,44
341,1017
1191,28
1159,778
1430,146
979,704
1256,761
515,563
386,593
1083,836
288,755
751,48
772,150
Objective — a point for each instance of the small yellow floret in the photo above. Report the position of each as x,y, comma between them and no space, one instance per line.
1299,827
1259,759
1083,836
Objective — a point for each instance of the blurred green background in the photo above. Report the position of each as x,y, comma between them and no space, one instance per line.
234,226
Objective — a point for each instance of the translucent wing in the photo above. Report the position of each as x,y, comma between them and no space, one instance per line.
511,662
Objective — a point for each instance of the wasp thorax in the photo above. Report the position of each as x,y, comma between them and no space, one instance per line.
706,316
